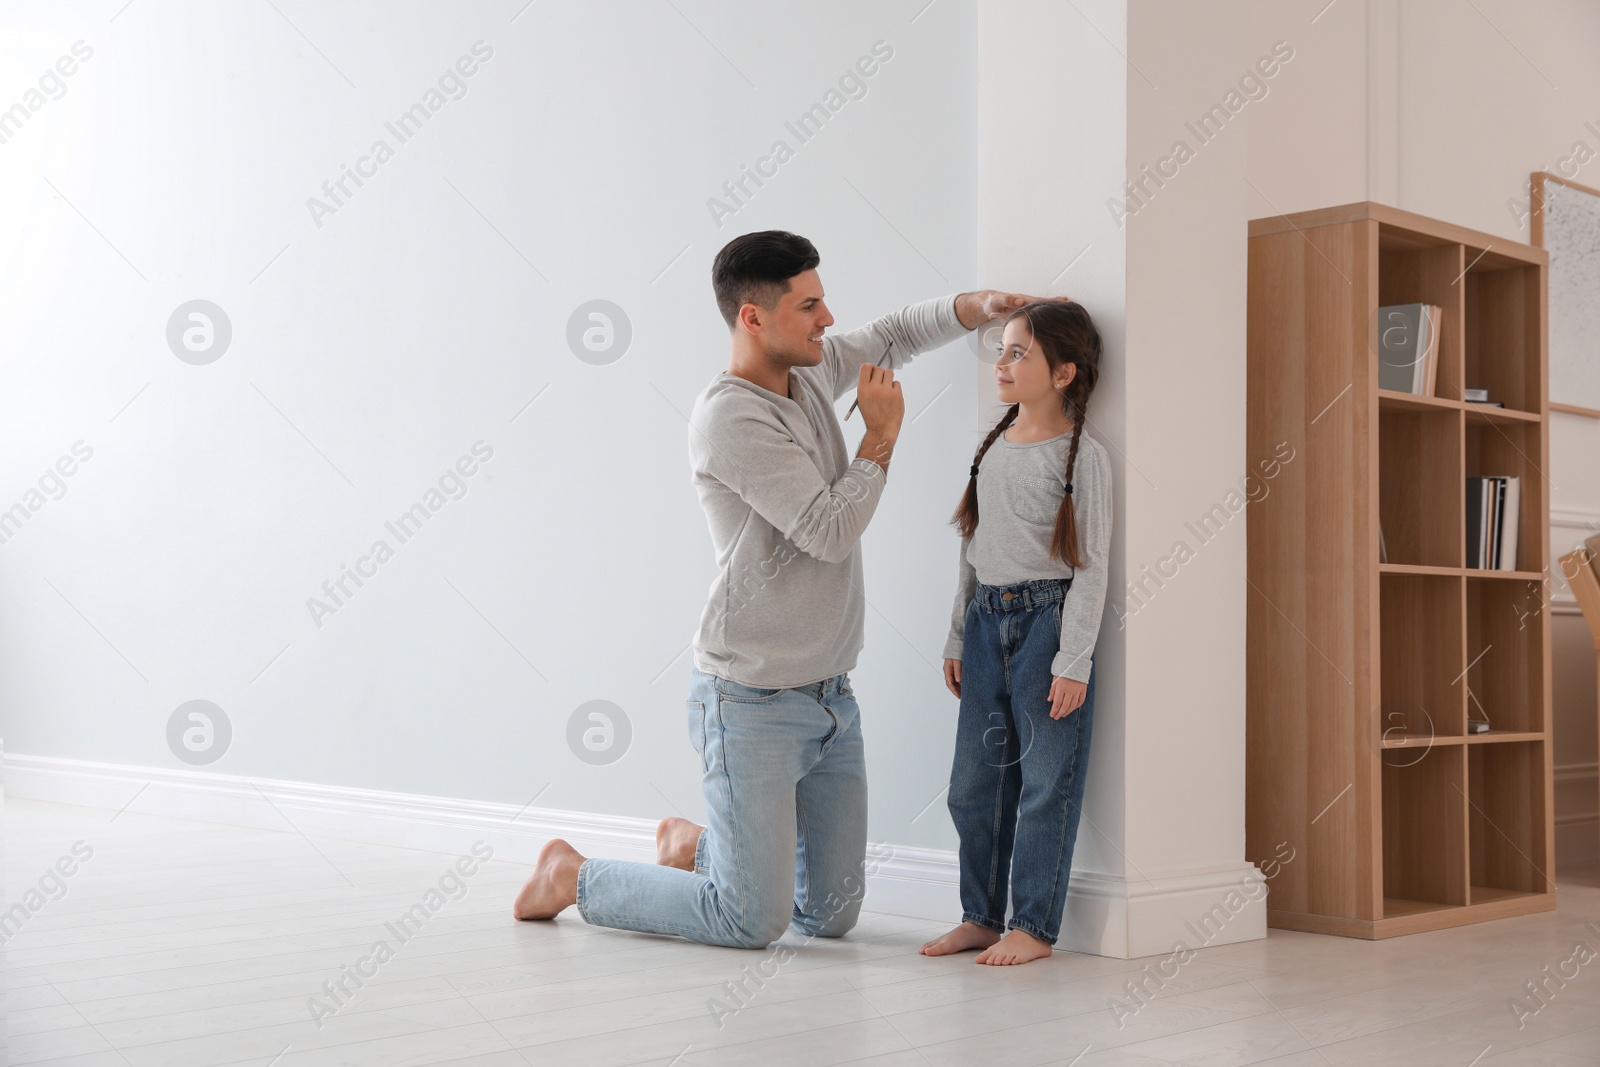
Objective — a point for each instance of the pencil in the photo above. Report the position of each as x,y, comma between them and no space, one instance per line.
857,400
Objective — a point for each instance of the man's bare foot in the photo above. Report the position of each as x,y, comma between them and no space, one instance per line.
676,841
553,885
1015,947
964,937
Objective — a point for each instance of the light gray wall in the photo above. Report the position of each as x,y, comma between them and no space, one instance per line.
1053,146
1460,105
423,315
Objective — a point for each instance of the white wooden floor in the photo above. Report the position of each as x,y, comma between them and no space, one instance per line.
182,943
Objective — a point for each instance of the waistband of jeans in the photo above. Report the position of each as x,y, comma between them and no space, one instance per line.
1022,596
818,689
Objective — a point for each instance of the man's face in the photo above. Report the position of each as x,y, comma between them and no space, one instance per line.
792,332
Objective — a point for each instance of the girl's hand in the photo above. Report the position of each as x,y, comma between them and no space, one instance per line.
1066,695
952,676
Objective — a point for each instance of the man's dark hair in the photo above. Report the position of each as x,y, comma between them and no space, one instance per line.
755,268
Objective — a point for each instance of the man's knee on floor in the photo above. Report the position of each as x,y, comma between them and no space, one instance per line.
829,921
762,929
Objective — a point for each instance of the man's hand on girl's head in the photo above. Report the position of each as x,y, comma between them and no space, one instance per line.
976,308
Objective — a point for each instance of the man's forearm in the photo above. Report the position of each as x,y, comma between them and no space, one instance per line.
878,447
970,311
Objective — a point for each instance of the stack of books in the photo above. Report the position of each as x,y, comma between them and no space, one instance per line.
1408,347
1492,504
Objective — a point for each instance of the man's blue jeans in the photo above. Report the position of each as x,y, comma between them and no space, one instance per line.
1016,787
784,776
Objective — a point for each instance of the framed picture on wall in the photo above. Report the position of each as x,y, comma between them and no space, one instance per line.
1566,223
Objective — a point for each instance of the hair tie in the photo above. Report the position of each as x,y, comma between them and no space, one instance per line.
974,470
1069,487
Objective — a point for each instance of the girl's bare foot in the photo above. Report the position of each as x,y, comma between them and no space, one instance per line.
1015,947
676,841
964,937
553,885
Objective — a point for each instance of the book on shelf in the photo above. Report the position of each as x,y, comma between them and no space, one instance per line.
1496,512
1507,560
1408,347
1474,497
1492,505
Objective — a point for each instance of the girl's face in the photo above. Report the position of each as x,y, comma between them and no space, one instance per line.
1022,372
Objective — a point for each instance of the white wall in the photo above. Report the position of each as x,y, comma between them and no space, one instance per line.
423,316
1053,130
1186,441
1462,102
1162,839
1430,108
1519,96
427,312
372,351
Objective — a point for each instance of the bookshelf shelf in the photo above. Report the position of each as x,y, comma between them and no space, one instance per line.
1389,400
1470,572
1493,414
1419,742
1497,736
1413,568
1362,676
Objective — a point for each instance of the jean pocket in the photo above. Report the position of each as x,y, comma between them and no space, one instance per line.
697,728
729,689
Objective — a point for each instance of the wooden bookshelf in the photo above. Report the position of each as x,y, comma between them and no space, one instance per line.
1361,674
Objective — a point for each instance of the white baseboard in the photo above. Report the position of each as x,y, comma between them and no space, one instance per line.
1109,915
1106,915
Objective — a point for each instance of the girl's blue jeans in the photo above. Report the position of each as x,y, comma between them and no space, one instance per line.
1016,789
785,783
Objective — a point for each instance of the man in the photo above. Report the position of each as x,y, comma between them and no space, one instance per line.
771,711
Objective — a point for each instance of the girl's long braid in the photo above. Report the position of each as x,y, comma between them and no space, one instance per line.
1075,400
1064,545
966,516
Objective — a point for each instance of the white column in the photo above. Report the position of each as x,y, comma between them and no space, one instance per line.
1074,99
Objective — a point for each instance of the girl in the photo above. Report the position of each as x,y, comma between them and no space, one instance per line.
1019,654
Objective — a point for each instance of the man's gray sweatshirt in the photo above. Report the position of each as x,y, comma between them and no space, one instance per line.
787,506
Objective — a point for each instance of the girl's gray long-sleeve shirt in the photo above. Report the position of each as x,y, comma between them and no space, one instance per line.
1020,487
787,505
